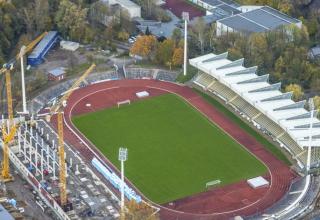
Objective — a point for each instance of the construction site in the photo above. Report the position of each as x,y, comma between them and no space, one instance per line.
36,160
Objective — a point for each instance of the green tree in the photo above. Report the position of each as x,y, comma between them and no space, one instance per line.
199,28
316,101
165,52
71,19
297,91
258,47
176,36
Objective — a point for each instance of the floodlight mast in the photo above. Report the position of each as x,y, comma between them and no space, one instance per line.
311,106
185,17
123,156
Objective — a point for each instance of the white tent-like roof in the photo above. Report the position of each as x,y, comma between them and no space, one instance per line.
267,98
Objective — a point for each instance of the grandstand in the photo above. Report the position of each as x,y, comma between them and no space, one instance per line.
262,103
131,73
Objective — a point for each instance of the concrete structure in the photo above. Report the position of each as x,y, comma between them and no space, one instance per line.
258,182
254,21
314,52
288,122
132,8
246,8
38,53
232,17
212,4
69,45
56,74
219,12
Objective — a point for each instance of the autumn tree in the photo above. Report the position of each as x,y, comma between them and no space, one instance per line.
140,211
296,90
177,58
165,52
144,46
123,35
316,101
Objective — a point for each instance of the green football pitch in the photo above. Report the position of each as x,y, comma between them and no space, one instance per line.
173,150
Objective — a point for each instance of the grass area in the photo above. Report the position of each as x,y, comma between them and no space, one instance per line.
173,150
78,69
261,139
191,72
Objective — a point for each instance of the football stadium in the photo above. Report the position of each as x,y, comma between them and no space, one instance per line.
229,145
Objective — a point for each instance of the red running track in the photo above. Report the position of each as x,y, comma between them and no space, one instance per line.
219,203
179,6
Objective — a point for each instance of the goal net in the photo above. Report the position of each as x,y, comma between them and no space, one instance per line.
124,102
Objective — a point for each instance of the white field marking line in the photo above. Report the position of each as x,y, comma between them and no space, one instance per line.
176,211
85,143
213,123
205,117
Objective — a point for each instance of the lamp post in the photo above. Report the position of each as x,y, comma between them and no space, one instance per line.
185,17
123,156
311,105
23,84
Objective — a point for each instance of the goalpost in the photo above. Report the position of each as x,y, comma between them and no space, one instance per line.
125,102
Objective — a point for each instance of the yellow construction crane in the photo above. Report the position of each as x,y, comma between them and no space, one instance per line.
57,109
8,134
9,129
27,49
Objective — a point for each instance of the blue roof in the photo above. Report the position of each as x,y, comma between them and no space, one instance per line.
4,214
57,72
43,44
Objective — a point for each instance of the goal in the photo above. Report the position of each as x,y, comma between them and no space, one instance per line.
125,102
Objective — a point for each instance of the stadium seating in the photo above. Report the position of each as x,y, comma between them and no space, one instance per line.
291,144
212,85
166,75
222,90
138,73
269,125
293,193
205,80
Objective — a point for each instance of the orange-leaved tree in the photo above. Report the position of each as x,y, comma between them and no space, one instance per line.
145,46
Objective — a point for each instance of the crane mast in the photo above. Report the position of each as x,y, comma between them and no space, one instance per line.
9,129
7,135
57,109
62,163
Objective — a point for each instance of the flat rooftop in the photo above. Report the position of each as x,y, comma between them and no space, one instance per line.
125,3
43,44
219,2
57,71
258,20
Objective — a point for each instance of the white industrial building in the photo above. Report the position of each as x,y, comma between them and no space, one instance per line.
275,113
132,8
212,4
69,45
232,17
255,20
